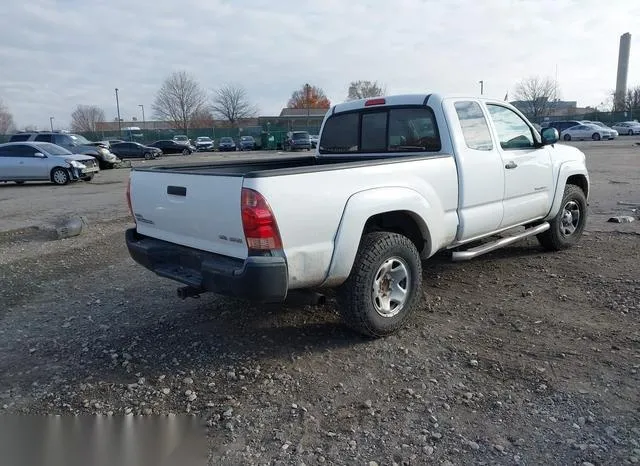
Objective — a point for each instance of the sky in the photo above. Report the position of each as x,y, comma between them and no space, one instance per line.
56,54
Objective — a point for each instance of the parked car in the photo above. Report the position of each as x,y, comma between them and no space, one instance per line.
589,131
391,172
182,139
297,140
204,143
44,161
75,143
627,127
133,150
247,143
171,147
613,132
226,144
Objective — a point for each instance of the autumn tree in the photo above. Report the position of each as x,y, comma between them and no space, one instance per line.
309,97
85,118
180,98
364,90
6,120
231,103
536,96
202,119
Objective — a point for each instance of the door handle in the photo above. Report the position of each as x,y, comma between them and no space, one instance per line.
511,165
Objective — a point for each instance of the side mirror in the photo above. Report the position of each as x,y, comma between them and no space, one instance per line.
40,155
549,136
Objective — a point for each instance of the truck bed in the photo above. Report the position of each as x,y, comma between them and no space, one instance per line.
274,166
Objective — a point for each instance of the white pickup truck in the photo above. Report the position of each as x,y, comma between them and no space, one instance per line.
393,181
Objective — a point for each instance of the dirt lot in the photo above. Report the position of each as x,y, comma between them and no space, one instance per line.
518,357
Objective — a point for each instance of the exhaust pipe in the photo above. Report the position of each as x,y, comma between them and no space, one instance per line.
189,292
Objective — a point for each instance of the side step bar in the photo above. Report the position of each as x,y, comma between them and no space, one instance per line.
500,243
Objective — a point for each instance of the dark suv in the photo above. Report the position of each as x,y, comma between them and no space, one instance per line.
297,140
75,143
561,125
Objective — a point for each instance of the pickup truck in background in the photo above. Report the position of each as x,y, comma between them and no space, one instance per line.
393,181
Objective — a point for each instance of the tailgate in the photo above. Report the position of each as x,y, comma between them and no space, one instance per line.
198,211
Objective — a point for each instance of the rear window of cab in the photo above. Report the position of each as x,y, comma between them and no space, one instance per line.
386,129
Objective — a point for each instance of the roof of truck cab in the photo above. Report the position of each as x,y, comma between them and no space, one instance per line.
433,99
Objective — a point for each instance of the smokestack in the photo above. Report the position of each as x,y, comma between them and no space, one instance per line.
623,69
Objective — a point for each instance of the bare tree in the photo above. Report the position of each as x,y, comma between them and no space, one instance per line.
231,103
365,89
6,120
179,98
202,119
632,99
536,96
85,118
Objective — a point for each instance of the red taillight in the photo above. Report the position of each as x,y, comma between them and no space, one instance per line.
129,199
371,102
258,222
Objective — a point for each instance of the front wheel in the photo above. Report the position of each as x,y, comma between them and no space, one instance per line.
384,283
87,178
595,136
148,156
630,133
60,176
567,137
568,224
185,152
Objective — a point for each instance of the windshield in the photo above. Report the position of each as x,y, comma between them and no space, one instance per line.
246,138
226,140
78,139
53,149
203,139
300,135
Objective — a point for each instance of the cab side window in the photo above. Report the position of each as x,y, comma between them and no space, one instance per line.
513,132
474,126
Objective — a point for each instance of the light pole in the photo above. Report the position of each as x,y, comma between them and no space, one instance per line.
143,120
481,87
118,107
51,123
307,89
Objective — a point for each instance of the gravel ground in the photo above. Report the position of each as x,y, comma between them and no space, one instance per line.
517,357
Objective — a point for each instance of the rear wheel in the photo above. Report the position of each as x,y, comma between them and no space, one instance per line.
568,224
383,286
60,176
595,136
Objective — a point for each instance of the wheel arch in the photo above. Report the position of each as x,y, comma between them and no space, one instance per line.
574,173
398,209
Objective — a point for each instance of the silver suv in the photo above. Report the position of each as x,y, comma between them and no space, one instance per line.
74,143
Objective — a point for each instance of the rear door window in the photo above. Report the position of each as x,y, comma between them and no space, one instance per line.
474,126
44,138
19,137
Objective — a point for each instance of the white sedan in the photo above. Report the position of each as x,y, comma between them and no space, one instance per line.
614,133
627,127
588,131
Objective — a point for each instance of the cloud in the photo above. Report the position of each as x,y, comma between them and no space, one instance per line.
57,54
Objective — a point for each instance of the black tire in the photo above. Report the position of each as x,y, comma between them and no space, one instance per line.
60,176
558,236
87,178
185,152
630,133
595,136
356,302
148,155
19,182
567,137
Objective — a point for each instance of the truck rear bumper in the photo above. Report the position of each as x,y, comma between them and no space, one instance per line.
259,278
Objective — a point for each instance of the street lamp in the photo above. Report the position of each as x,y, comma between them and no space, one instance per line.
307,89
143,120
51,123
481,87
118,107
